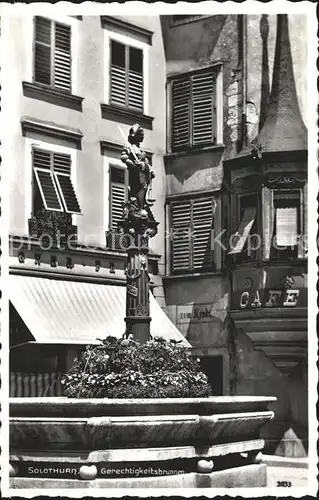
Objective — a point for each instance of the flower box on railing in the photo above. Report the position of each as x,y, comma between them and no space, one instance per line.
55,232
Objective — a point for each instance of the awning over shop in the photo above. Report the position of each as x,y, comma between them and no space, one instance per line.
70,312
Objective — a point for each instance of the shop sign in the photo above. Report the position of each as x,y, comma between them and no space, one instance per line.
269,298
132,290
194,313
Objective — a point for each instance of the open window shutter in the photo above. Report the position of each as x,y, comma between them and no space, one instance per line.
181,113
62,170
243,230
118,74
135,79
45,180
203,213
42,50
268,214
181,236
203,107
118,195
286,226
62,57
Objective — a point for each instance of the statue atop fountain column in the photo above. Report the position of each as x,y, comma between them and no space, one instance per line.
137,212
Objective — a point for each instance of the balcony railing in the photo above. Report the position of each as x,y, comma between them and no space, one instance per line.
53,228
25,385
117,241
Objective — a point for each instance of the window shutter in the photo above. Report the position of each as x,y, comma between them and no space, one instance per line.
42,51
181,237
135,79
62,164
62,170
203,212
118,74
181,113
62,57
45,180
118,195
203,100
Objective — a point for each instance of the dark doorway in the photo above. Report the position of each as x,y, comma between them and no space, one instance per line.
212,366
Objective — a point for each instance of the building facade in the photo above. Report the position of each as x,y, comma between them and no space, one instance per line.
239,171
77,84
222,100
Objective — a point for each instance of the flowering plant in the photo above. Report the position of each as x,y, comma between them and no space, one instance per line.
123,368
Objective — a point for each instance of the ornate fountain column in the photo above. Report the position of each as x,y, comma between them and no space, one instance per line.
138,225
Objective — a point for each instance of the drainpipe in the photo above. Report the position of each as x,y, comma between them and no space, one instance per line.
244,78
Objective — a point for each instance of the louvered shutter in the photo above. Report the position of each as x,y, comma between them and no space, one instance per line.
181,113
45,180
203,108
62,57
62,164
62,171
202,218
42,51
181,237
118,195
118,74
135,79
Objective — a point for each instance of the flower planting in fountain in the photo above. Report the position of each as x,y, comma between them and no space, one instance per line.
123,368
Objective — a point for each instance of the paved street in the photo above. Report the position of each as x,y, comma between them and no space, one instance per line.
298,477
285,473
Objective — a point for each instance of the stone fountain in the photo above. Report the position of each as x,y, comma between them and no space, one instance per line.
58,443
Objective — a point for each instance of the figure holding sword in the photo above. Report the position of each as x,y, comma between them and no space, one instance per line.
140,173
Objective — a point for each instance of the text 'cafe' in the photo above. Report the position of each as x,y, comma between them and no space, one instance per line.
269,298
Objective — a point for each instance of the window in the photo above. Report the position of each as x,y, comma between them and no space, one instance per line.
126,76
287,224
118,194
53,188
194,110
191,232
52,54
240,244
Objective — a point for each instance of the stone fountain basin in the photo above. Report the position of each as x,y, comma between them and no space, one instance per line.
95,424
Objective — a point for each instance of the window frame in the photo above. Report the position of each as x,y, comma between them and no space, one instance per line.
287,253
122,167
110,162
243,256
127,73
31,144
70,21
131,42
217,69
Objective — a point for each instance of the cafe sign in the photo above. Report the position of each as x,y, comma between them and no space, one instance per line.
269,298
